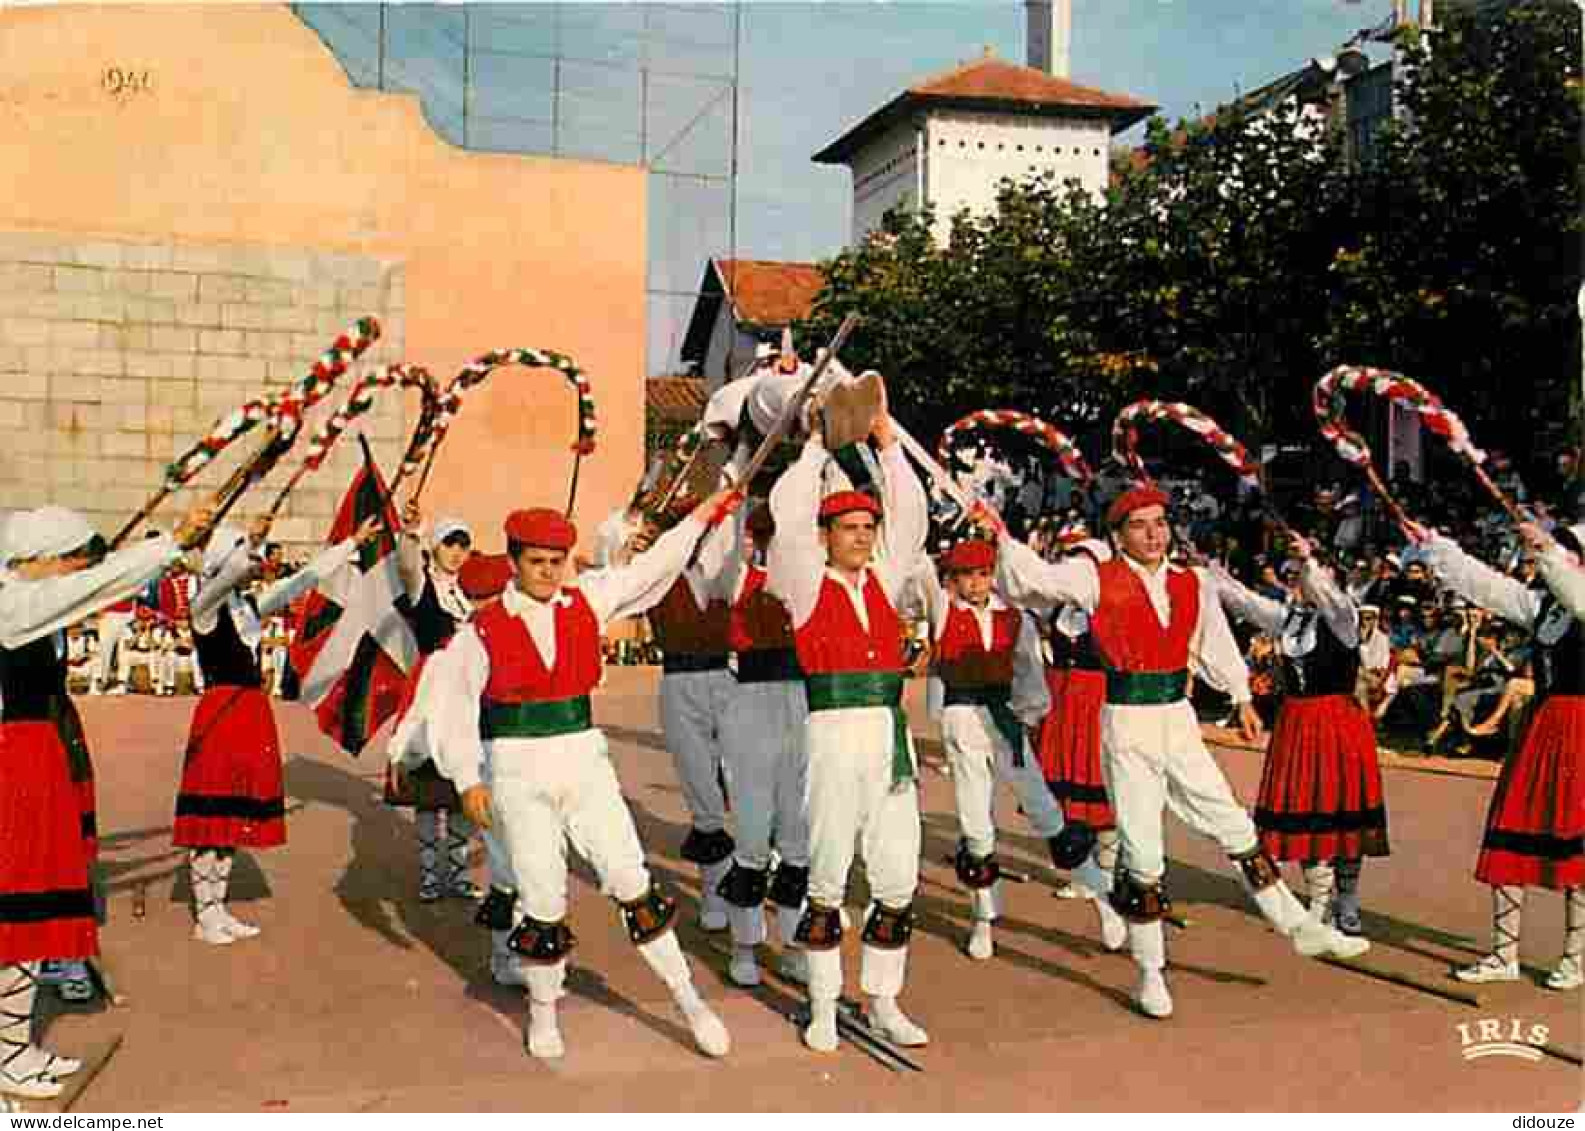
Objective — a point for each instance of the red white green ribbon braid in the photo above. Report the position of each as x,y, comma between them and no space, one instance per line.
1329,404
1125,437
287,407
1048,435
450,402
361,399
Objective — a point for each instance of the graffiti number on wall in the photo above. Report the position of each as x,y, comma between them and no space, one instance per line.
127,81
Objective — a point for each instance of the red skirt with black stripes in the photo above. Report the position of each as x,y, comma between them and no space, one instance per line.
1535,827
1320,795
46,904
232,794
1070,746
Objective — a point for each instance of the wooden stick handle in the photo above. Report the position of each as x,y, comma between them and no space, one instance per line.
1394,508
795,407
1515,511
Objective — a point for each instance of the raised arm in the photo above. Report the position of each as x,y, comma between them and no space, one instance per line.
1479,583
1214,653
906,515
1336,607
797,560
216,584
325,563
1030,582
1243,603
628,590
31,609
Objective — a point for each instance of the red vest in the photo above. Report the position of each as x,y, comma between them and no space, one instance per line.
517,672
833,639
1126,629
682,628
759,620
961,658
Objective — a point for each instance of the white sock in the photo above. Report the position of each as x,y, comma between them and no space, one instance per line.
1320,882
1507,917
427,822
1574,923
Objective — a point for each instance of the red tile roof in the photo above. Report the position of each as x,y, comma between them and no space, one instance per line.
990,83
675,399
770,294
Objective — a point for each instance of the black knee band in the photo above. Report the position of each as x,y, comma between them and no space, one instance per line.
707,848
744,887
495,912
790,887
1260,871
820,928
542,942
1072,846
976,872
888,929
1137,902
649,916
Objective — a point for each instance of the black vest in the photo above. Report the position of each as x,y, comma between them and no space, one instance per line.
1330,668
1560,665
225,658
32,681
432,625
1073,651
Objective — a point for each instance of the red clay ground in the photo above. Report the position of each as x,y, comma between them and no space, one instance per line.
357,997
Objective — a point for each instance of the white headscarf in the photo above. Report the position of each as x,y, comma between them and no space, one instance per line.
48,532
448,525
223,543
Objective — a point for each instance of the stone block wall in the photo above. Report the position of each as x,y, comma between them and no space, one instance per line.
116,356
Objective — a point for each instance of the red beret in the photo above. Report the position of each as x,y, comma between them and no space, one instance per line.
762,521
1134,499
484,576
970,555
844,502
542,528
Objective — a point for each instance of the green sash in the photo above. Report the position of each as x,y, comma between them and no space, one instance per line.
832,691
994,697
544,719
1146,689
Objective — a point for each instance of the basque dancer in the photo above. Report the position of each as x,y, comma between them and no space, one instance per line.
512,692
55,573
433,606
1320,795
863,781
762,736
231,794
987,657
1535,826
1151,622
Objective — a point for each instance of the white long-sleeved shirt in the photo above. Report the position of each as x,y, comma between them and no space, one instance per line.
241,565
1480,584
1035,584
1565,578
31,609
461,670
797,562
1320,591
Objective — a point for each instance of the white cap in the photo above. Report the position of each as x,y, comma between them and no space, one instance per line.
48,532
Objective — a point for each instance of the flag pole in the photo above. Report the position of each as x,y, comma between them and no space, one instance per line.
386,504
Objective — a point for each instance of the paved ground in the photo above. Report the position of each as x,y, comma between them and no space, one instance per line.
357,997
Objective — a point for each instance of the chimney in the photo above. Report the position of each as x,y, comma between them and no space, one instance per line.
1049,28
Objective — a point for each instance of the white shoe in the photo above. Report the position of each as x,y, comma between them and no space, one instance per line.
238,928
28,1077
893,1024
216,933
708,1031
821,1032
544,1034
1567,975
60,1066
1318,940
1114,928
793,965
980,946
744,969
1488,969
507,972
1152,996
